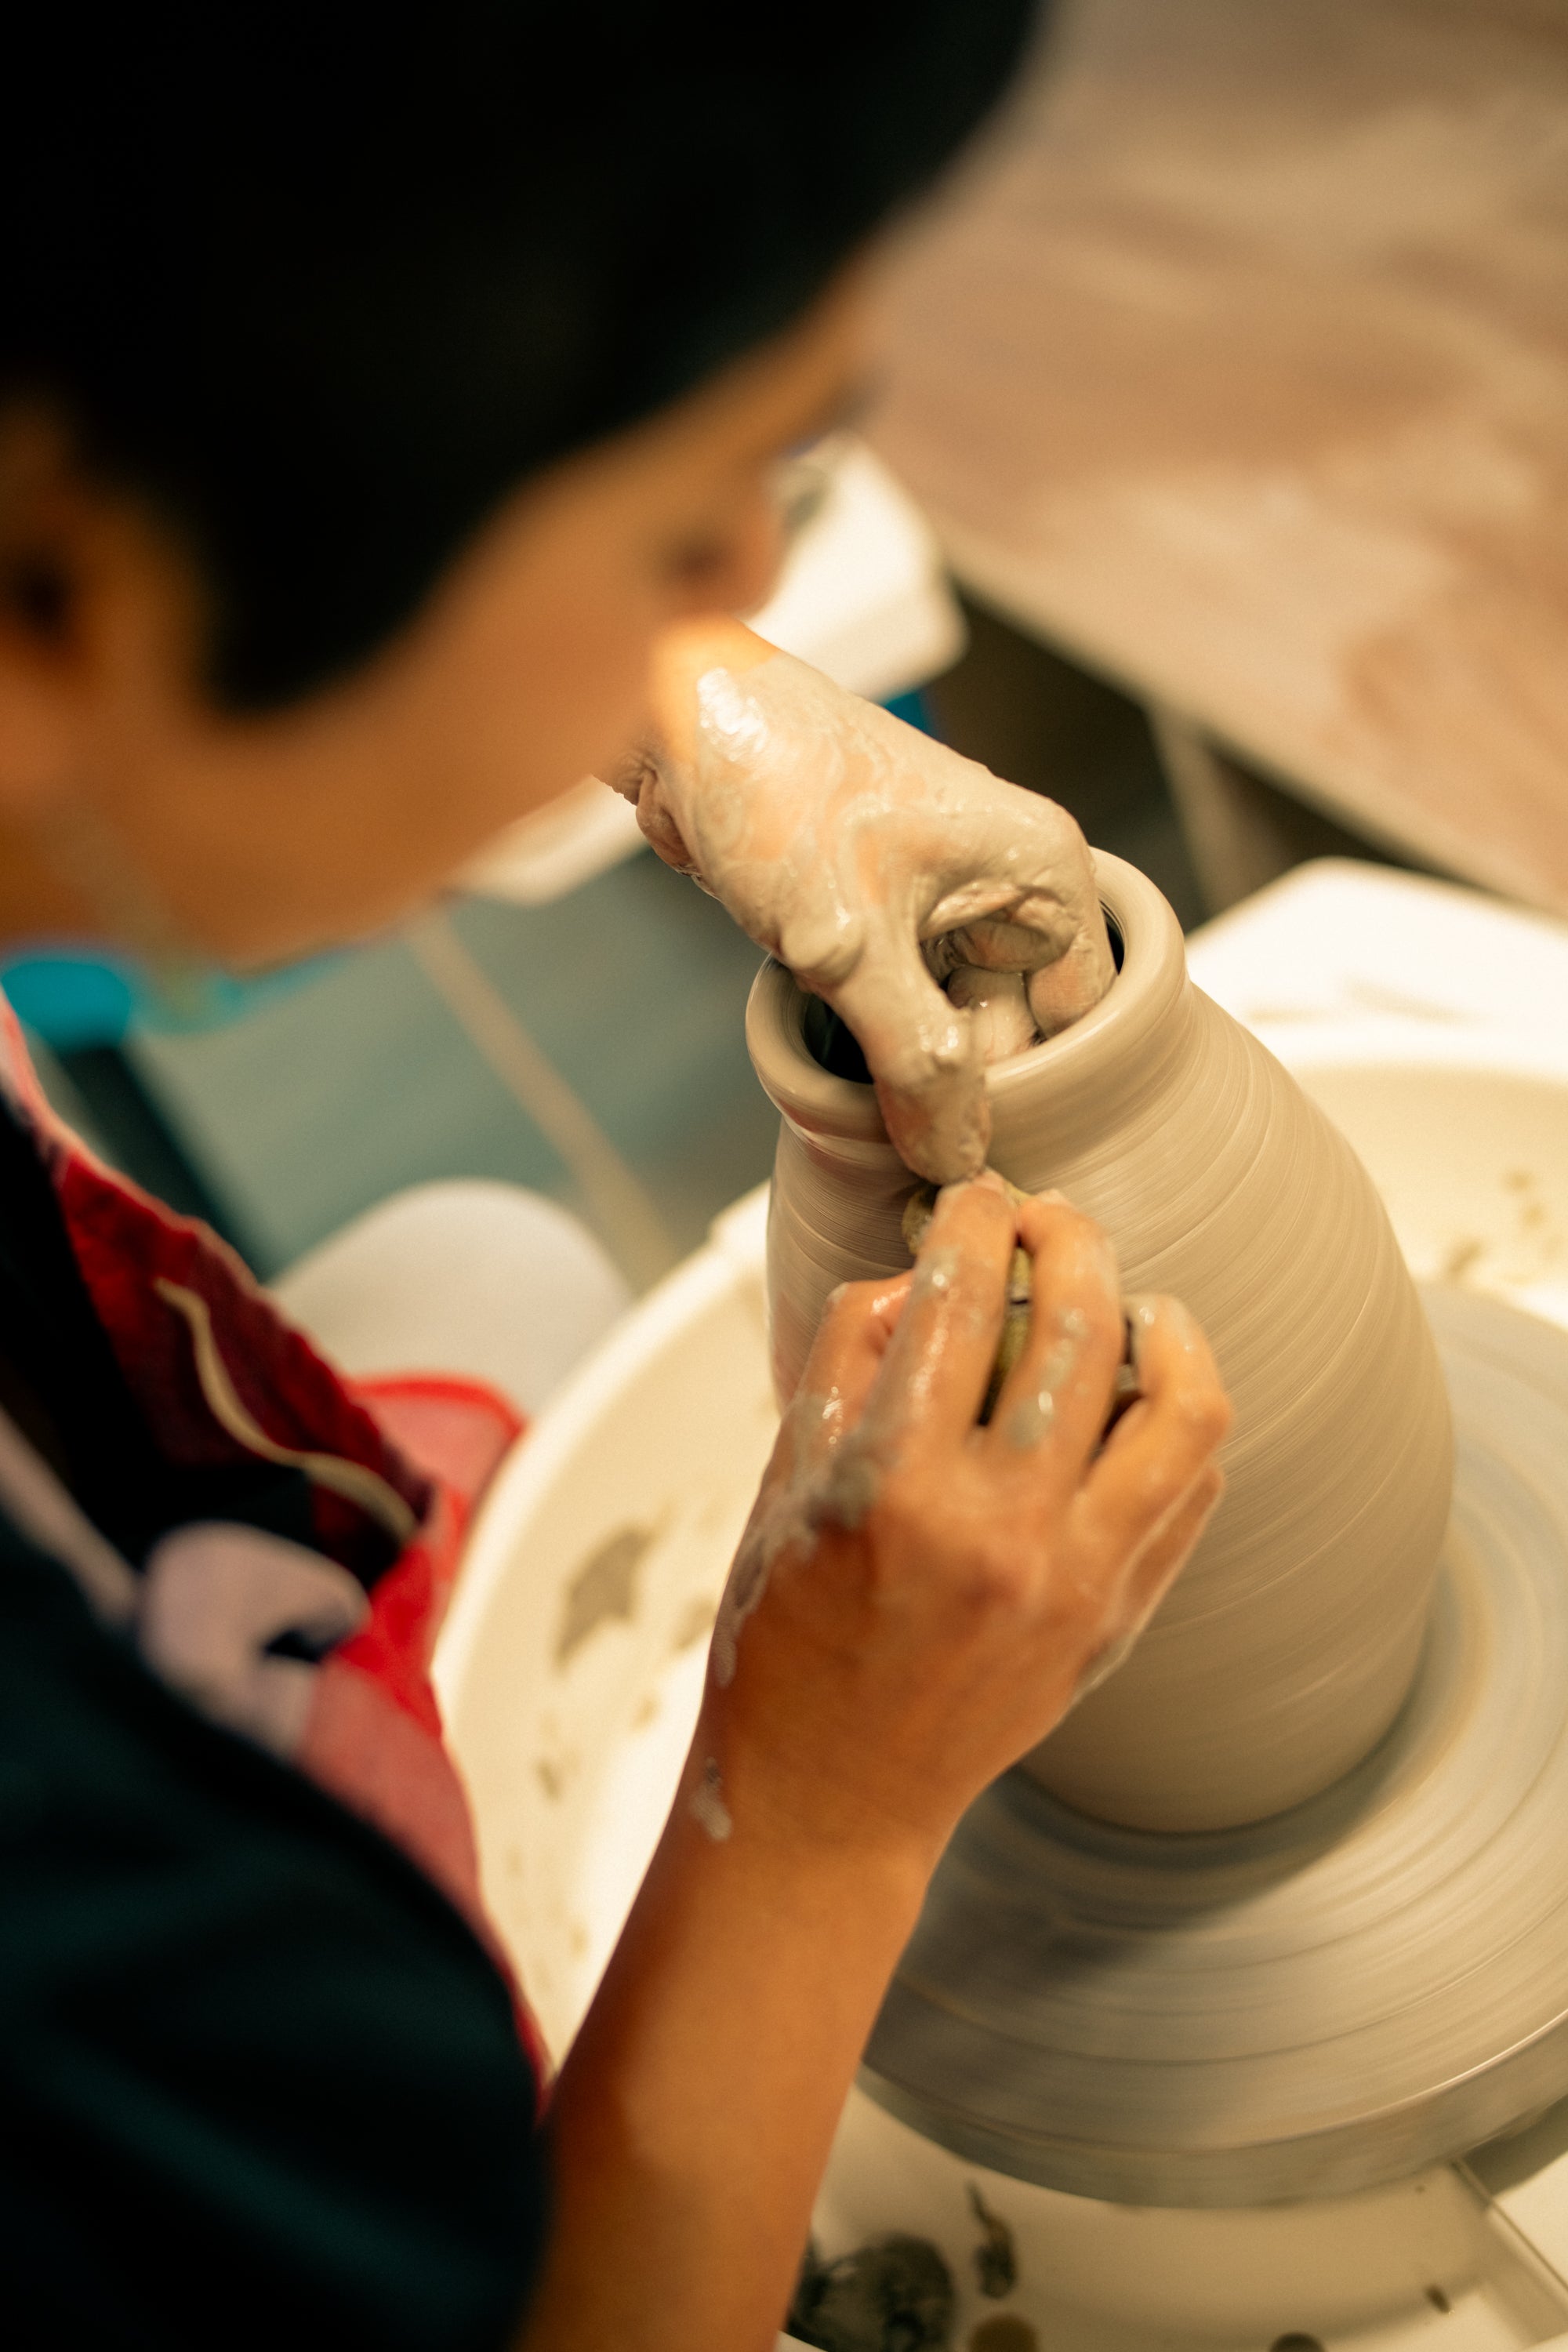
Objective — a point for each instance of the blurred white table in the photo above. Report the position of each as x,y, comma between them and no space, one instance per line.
1241,375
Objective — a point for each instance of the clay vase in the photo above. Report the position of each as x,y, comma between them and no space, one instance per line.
1282,1652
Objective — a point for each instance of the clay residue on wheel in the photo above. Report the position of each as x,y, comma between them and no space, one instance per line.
604,1589
1005,2333
997,2256
895,2294
694,1624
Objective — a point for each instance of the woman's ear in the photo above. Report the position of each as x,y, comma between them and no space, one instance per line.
43,572
92,606
95,610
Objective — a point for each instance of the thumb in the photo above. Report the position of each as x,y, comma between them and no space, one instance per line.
641,778
924,1053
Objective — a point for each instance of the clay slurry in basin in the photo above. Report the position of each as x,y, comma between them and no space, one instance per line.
1284,1650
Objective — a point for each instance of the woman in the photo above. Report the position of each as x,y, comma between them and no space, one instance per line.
386,422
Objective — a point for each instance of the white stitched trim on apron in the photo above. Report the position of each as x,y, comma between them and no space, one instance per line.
351,1480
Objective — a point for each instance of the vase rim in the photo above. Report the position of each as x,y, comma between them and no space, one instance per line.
1153,973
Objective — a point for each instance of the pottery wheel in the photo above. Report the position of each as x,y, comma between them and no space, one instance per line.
1315,2003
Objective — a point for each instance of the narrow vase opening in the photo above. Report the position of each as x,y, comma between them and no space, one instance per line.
834,1047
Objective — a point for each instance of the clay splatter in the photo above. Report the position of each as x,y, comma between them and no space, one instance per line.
693,1624
832,1481
708,1807
604,1590
1005,2333
996,2257
1033,1418
894,2295
1461,1258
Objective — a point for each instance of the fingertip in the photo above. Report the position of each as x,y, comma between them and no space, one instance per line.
1168,1338
1050,1222
1049,1212
857,1324
937,1116
977,1201
1154,1321
855,1303
1157,1309
892,1295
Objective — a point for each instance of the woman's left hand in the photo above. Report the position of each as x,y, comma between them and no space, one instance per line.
845,843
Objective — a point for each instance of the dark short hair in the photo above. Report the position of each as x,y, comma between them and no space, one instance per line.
327,283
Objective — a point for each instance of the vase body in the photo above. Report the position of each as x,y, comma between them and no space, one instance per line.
1283,1651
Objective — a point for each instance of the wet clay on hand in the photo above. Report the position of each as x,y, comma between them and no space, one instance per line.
1285,1648
948,916
916,1221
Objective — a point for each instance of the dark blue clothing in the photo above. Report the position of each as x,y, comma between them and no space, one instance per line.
259,2082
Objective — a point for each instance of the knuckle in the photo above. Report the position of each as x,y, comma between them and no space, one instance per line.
1082,1609
1075,1223
851,1306
905,1514
1103,1310
994,1578
1081,1251
1146,1492
1053,1215
1165,1481
984,1569
1205,1414
1209,1488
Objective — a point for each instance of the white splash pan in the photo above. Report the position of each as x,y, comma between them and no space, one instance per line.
615,1523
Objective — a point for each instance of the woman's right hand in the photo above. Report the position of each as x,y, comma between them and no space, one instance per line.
919,1599
917,1602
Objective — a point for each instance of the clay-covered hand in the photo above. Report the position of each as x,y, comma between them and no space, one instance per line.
919,1600
875,863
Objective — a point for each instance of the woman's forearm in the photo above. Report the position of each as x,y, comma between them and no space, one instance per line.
695,2113
684,652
